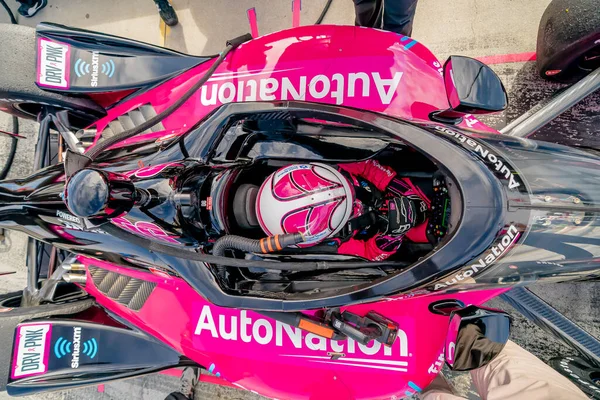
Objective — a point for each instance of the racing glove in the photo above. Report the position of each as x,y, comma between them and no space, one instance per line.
403,213
405,187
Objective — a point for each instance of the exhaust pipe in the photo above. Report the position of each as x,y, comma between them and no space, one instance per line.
70,277
73,267
75,272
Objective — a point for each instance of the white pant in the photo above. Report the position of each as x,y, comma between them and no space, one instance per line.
514,375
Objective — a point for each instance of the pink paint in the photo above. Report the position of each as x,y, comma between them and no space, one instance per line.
507,58
296,7
172,372
356,67
450,86
257,353
299,182
251,12
100,388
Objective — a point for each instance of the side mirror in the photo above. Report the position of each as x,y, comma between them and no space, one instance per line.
472,88
475,337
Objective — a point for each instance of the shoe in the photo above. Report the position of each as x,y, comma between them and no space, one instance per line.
166,11
187,383
30,11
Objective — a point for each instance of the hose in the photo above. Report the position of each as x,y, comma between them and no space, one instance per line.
100,147
192,254
266,245
325,9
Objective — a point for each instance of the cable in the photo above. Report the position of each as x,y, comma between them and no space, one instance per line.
10,14
13,149
100,147
13,144
325,9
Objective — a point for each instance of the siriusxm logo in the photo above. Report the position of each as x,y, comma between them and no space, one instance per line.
62,347
83,68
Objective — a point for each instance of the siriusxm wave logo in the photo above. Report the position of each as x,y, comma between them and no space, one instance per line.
62,347
83,68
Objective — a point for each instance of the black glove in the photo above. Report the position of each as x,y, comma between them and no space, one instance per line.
403,214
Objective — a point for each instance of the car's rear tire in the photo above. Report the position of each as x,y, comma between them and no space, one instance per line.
19,95
585,376
568,42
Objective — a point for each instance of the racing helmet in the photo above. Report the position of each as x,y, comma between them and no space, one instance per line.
313,199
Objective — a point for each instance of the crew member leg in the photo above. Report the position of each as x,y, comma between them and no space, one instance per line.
369,13
518,374
398,16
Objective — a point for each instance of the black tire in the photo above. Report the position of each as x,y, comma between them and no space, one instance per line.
585,376
19,94
568,42
11,315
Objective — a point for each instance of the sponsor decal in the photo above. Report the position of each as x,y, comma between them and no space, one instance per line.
144,228
76,347
440,69
62,347
208,203
53,64
484,154
151,171
72,222
335,88
93,69
387,171
437,365
415,293
212,370
470,120
67,217
31,350
412,389
503,244
549,263
267,332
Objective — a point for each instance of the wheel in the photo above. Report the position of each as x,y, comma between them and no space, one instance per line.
568,42
12,314
585,376
19,95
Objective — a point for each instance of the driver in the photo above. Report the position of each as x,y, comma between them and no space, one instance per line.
360,209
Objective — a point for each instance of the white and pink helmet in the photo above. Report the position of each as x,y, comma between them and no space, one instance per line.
313,199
